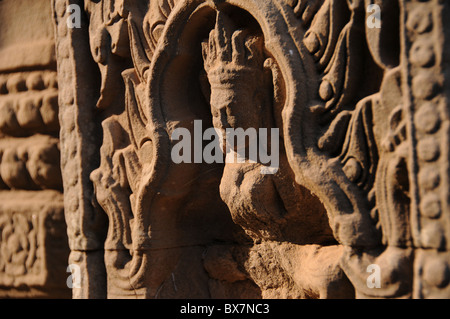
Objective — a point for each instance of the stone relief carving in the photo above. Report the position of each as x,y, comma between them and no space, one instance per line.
362,118
33,240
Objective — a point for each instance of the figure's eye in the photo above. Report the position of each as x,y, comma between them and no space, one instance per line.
214,111
230,112
217,110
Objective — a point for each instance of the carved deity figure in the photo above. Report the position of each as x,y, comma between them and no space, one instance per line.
265,205
269,207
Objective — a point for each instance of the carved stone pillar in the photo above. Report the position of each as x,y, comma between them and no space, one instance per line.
33,240
362,114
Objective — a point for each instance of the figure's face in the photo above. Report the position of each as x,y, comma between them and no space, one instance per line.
235,109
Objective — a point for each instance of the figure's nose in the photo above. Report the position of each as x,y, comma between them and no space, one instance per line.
221,117
224,118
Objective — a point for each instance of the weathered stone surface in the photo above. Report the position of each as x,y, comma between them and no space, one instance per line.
351,97
33,238
33,244
362,175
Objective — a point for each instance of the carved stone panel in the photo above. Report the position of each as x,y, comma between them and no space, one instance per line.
354,109
33,237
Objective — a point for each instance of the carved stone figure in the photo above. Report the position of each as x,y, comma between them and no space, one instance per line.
352,97
268,207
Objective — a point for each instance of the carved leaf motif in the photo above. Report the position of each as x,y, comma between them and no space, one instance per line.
111,185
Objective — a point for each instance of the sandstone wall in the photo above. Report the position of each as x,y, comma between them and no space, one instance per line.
351,97
33,236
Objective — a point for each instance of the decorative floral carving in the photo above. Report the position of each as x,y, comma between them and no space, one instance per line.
18,244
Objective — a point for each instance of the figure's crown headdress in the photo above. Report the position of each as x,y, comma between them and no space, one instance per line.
232,56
